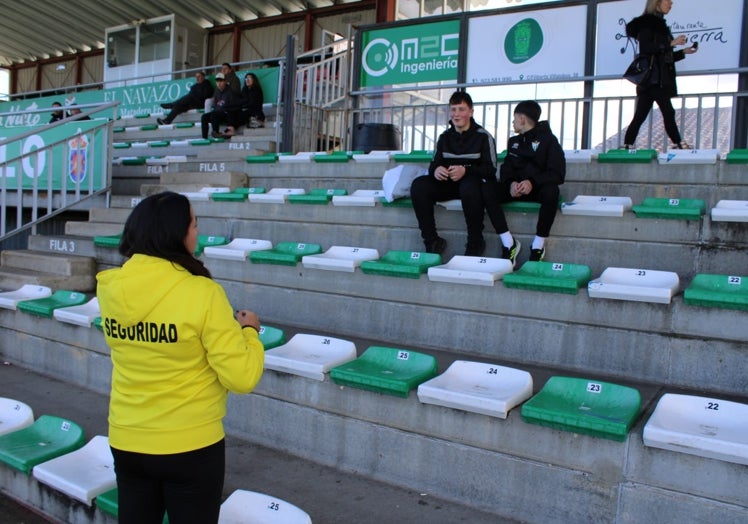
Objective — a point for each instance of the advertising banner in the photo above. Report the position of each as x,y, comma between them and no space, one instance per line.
76,159
530,46
139,99
409,54
717,31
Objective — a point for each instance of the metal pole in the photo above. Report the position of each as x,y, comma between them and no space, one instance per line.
289,96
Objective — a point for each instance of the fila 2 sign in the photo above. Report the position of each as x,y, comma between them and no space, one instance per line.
410,54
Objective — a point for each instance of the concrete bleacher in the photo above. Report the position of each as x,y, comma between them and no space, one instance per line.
457,455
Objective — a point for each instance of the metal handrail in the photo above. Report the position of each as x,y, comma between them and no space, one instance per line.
47,202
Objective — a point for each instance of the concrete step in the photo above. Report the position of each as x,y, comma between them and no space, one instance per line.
93,229
55,270
232,179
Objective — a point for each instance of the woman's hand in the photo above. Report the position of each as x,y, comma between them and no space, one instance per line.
248,318
681,40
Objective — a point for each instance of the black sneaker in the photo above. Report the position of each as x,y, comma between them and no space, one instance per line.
161,121
438,245
536,255
512,252
475,248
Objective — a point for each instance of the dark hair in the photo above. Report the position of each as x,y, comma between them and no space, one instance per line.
255,81
227,65
157,227
459,97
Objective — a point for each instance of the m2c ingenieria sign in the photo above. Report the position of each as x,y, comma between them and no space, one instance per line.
408,54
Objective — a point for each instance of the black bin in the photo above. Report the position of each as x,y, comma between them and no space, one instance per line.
377,137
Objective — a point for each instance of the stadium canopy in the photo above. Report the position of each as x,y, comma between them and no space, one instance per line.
42,29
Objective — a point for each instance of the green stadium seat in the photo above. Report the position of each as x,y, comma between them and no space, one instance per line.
44,307
671,208
418,155
500,157
184,125
97,324
319,196
552,277
737,156
405,264
108,502
400,202
158,143
285,253
111,241
48,437
334,157
204,241
627,156
149,127
231,196
142,116
119,129
121,145
580,405
200,142
525,206
216,140
14,415
272,337
266,158
718,291
134,161
386,370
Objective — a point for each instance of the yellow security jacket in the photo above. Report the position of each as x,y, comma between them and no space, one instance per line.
177,351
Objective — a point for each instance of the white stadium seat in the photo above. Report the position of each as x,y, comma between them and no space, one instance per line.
477,271
703,426
478,387
237,249
730,211
14,415
251,507
310,356
277,195
639,285
340,258
594,205
82,474
82,315
360,197
9,299
689,156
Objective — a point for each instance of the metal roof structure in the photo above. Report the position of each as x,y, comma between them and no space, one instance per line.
41,29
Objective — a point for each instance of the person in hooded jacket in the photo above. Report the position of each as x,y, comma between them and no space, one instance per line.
656,40
464,159
177,349
533,170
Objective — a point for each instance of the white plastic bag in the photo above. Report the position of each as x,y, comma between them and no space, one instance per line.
396,181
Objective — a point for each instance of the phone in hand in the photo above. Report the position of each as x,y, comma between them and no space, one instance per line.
695,45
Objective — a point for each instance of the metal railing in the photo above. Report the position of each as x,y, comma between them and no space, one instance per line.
705,120
28,204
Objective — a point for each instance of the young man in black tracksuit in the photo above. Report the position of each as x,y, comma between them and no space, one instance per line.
534,167
465,158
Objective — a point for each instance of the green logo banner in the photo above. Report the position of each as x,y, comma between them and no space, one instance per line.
140,99
78,154
410,53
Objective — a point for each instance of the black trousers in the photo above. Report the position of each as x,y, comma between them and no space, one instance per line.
426,191
546,195
644,102
188,486
213,118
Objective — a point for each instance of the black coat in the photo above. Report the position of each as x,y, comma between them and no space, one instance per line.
536,156
654,37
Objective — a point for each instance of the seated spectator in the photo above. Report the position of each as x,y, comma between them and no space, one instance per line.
75,112
249,109
533,169
57,115
223,97
200,91
231,79
464,160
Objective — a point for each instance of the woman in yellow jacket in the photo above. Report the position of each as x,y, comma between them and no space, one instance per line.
177,349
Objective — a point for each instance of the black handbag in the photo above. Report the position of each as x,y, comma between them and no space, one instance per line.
640,69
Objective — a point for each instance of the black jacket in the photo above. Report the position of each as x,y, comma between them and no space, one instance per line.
536,156
199,93
475,149
654,37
